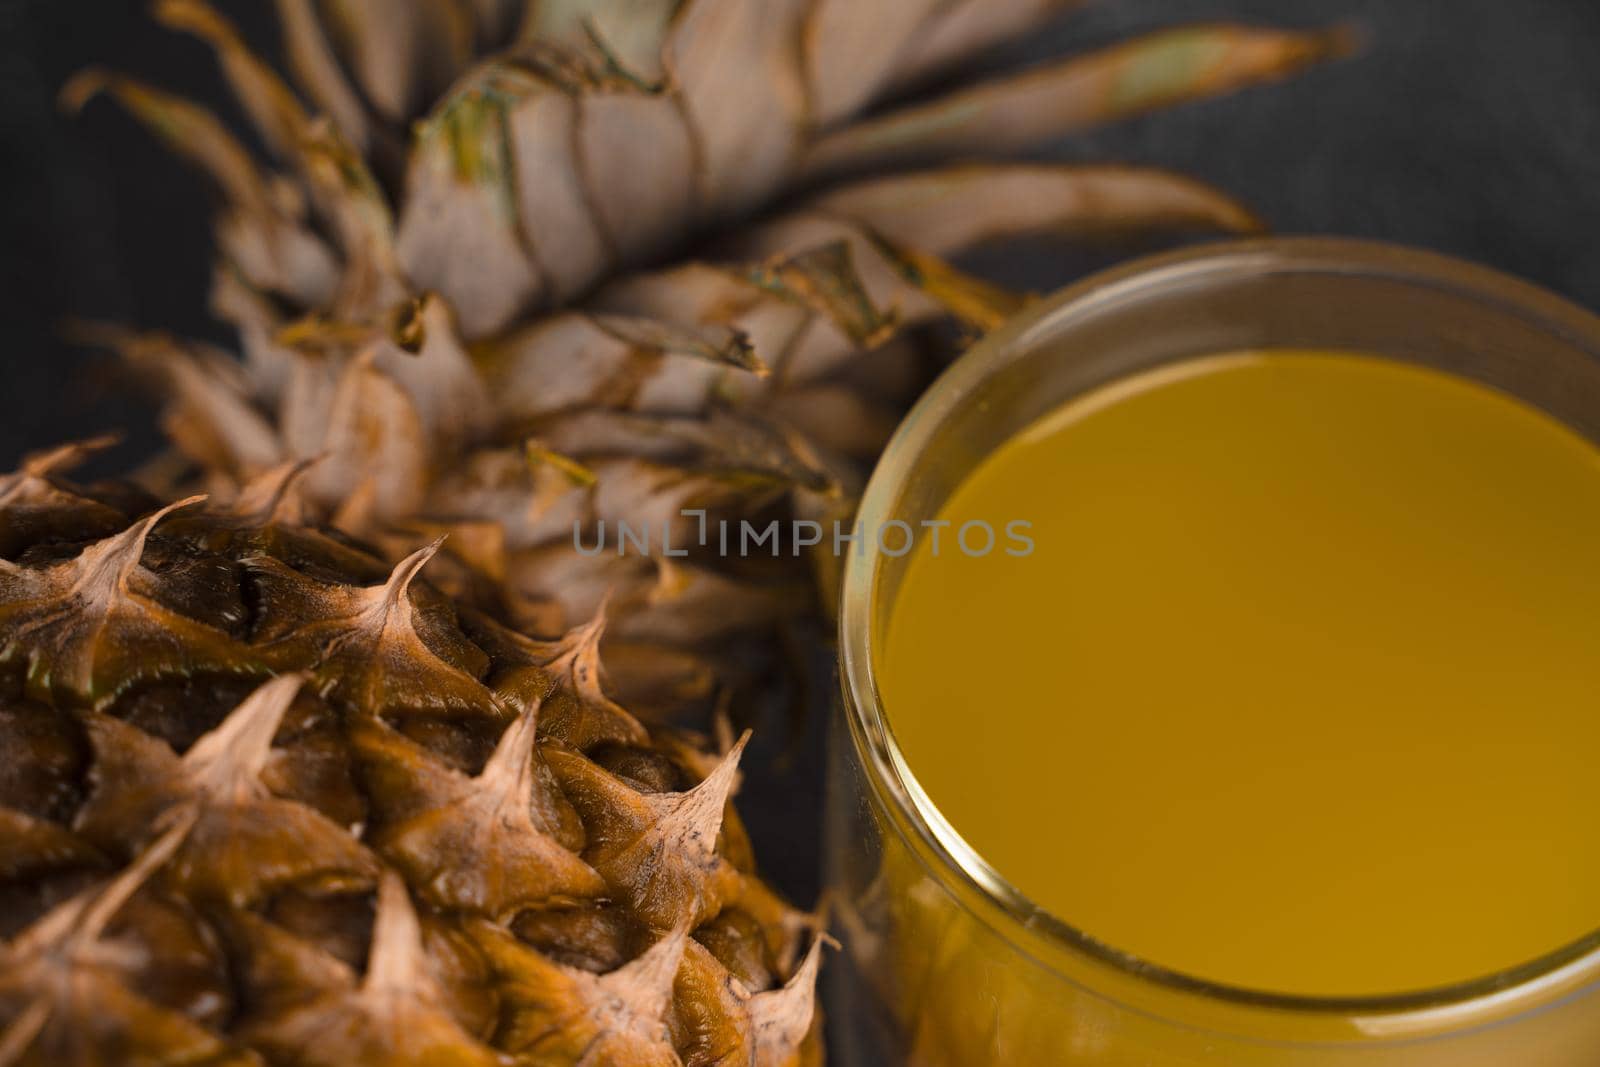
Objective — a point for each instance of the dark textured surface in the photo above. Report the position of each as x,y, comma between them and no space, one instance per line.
1468,126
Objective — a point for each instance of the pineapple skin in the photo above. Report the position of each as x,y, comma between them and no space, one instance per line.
266,800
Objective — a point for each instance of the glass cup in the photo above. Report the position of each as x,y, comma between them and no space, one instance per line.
945,964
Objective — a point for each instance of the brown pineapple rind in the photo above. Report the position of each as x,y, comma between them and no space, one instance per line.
265,800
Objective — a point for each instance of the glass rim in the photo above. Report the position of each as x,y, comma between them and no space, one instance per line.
873,742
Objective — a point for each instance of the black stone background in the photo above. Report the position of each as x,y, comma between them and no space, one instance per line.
1467,126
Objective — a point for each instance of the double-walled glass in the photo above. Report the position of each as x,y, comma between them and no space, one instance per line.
945,964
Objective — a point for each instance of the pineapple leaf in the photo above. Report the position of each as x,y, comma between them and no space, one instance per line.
961,29
947,211
715,344
271,105
628,33
318,70
850,48
746,140
825,279
1058,98
402,53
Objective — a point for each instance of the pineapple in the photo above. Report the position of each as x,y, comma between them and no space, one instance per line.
357,752
269,800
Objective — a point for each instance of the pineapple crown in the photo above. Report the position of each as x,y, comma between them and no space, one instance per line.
437,280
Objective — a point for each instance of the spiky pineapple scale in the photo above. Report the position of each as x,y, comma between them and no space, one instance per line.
265,799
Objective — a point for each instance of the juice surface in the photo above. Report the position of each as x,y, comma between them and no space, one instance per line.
1299,688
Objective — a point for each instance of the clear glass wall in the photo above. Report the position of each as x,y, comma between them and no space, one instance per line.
945,965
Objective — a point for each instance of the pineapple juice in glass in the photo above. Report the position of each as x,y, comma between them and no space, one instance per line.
1222,679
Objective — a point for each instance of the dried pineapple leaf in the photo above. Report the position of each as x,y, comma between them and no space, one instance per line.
435,370
961,29
694,295
530,494
723,441
638,164
900,228
402,52
272,106
371,647
256,317
656,507
688,605
269,245
319,72
540,458
822,347
630,33
89,627
304,404
209,412
552,587
850,47
358,212
484,845
712,343
375,433
275,497
551,196
188,130
946,211
560,1014
656,850
460,232
746,139
395,1016
825,279
572,360
893,224
1058,98
972,300
495,20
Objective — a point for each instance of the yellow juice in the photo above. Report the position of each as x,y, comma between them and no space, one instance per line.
1298,689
